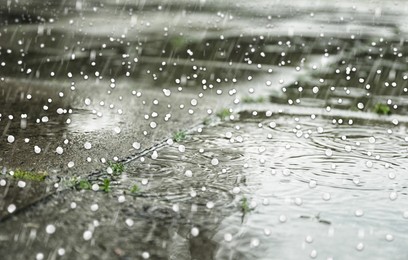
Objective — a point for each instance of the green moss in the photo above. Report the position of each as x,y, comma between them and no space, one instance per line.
29,176
248,100
117,167
224,113
179,136
106,185
382,109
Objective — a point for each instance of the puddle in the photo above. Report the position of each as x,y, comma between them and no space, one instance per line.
298,168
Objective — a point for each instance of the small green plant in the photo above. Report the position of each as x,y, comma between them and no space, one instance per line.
224,113
179,136
29,176
134,189
83,185
78,184
245,208
117,167
382,109
106,185
249,100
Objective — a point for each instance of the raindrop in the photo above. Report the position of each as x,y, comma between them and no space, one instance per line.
145,255
87,145
326,196
298,201
37,149
359,213
393,195
95,187
228,237
360,106
312,184
214,161
194,231
193,193
11,208
210,205
313,254
360,246
121,199
282,218
181,148
87,235
255,242
188,173
94,207
389,237
71,164
87,101
61,251
50,229
136,145
129,222
286,172
10,139
369,164
167,92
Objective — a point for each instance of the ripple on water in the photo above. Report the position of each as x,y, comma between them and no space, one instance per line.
189,177
311,182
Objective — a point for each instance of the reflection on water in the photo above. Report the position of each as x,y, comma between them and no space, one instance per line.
324,179
319,187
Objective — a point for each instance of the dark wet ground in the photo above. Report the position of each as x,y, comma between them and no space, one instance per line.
307,160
